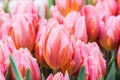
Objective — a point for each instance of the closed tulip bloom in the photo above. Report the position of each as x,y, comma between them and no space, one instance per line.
75,59
56,45
24,61
39,42
109,37
95,64
66,6
6,48
92,22
24,25
58,76
118,57
1,76
75,25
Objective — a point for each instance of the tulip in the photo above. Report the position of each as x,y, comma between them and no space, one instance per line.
113,6
58,76
24,61
75,25
24,25
92,22
109,37
107,8
118,57
39,42
54,13
56,45
6,48
67,6
1,76
4,24
95,64
75,59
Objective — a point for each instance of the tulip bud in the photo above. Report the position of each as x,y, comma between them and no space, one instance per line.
92,22
66,6
24,61
109,37
39,42
24,25
76,26
58,76
56,45
75,59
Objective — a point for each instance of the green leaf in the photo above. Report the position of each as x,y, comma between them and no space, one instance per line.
112,73
91,2
28,74
43,77
15,68
6,9
50,3
81,75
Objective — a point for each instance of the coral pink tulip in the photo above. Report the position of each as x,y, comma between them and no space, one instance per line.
109,37
95,64
24,61
107,8
58,76
75,25
24,25
56,45
66,6
92,22
75,59
39,42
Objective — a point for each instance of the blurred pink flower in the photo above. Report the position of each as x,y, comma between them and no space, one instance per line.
1,76
75,25
67,6
24,60
92,59
58,76
110,37
54,13
24,25
92,22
